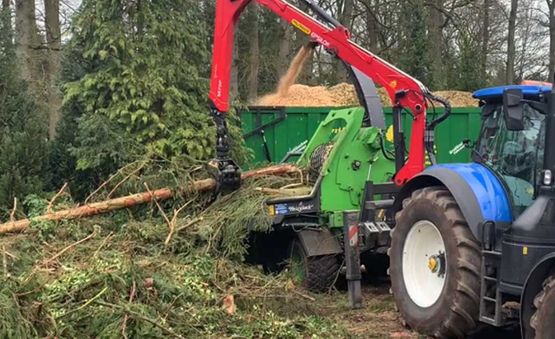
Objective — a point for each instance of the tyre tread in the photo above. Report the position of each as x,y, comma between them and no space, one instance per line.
322,273
539,302
463,314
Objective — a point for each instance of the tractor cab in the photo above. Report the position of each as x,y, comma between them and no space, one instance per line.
513,146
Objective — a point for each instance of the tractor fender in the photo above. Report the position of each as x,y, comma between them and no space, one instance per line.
479,193
318,242
532,287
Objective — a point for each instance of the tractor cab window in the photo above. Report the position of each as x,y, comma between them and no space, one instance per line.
516,156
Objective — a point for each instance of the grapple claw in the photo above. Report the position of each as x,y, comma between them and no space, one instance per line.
227,175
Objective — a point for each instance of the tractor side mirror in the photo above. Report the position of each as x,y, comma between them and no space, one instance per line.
514,110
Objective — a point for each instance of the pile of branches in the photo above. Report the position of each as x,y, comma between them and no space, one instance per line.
170,269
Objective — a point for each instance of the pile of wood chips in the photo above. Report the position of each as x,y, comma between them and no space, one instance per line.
302,95
344,94
458,98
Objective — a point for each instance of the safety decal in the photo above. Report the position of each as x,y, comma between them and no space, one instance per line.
301,27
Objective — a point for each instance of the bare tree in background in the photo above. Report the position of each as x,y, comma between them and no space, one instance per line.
27,41
54,46
551,13
284,47
345,18
435,22
511,44
254,52
372,27
485,35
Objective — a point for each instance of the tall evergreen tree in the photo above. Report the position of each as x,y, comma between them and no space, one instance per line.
413,46
23,132
469,76
143,89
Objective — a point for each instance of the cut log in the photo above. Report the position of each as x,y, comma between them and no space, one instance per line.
136,199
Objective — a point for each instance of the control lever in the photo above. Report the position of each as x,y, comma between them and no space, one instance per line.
459,147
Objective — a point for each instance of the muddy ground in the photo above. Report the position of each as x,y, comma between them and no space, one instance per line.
378,318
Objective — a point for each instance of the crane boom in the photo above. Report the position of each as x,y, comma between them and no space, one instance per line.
405,91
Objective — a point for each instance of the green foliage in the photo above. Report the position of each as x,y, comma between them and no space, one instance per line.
62,162
36,205
22,129
107,277
141,89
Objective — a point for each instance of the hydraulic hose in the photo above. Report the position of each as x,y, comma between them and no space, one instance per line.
430,128
447,111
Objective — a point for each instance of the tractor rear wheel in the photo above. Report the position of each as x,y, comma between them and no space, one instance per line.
316,274
542,320
435,265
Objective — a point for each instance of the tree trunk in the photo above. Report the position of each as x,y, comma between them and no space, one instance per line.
53,39
307,73
137,199
345,18
435,38
372,30
485,36
526,31
284,47
551,70
254,54
511,49
27,40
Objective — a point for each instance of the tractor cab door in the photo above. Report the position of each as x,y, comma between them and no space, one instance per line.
516,156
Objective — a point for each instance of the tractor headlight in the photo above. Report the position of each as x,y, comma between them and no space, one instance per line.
547,177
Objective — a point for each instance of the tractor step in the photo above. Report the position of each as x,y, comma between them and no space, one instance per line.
491,303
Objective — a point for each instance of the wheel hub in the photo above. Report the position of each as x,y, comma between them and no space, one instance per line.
424,263
433,264
436,264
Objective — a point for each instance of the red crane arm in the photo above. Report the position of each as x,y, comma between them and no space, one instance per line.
404,90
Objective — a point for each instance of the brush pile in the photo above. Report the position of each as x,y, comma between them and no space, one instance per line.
171,269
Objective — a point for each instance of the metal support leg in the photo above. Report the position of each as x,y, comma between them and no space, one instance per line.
352,259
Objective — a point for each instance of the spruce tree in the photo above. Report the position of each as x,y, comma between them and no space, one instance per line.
23,133
135,81
413,44
144,87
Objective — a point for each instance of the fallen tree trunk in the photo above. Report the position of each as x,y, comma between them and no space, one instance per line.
135,199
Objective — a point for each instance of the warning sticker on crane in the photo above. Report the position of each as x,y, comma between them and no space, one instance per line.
301,27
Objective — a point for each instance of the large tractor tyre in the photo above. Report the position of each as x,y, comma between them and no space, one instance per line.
435,265
316,274
542,320
317,160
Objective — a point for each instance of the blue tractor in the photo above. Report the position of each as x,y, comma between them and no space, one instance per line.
475,242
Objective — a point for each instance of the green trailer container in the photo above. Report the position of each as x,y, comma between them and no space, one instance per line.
283,128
